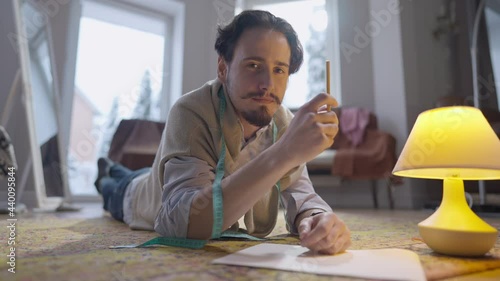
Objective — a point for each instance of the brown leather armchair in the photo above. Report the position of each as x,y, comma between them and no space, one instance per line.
135,143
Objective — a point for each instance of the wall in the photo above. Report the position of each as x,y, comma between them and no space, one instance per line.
391,64
389,80
200,58
414,44
355,54
373,76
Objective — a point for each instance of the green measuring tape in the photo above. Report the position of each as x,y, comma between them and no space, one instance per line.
188,243
217,202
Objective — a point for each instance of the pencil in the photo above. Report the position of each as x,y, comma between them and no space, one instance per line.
328,108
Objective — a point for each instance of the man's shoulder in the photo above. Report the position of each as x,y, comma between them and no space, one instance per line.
201,97
204,92
195,105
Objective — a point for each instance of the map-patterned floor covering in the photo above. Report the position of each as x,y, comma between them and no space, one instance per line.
52,246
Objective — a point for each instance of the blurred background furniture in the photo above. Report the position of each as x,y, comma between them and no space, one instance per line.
360,152
135,142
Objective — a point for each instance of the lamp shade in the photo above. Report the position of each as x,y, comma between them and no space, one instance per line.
451,142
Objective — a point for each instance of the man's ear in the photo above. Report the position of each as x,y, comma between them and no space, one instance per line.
221,69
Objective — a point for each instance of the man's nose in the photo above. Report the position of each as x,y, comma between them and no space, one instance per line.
266,81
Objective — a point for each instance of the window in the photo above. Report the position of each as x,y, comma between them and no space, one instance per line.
310,19
123,54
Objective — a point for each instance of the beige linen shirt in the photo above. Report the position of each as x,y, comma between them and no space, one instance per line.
186,161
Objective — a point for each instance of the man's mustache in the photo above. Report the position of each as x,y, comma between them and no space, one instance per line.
261,95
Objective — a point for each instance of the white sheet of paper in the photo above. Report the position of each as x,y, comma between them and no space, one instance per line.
383,264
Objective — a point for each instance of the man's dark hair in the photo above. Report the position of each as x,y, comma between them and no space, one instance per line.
228,35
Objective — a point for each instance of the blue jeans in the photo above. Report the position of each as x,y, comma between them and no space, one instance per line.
114,188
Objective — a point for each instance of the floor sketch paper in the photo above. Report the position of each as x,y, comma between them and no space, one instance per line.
382,264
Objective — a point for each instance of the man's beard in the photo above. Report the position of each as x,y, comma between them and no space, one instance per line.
260,117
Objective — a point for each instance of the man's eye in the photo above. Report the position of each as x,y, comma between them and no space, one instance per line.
253,65
279,70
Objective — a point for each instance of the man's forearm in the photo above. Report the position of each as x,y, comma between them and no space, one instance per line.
240,191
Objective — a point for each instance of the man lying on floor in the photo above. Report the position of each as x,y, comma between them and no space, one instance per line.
236,122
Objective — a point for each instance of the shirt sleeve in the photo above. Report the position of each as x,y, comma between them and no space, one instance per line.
184,177
299,197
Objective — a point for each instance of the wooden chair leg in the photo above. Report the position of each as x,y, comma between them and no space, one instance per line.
374,194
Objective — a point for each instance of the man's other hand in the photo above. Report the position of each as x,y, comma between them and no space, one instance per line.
324,233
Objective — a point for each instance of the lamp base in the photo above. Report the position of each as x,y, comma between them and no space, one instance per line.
454,229
458,243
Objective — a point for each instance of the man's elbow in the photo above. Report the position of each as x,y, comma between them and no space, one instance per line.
168,227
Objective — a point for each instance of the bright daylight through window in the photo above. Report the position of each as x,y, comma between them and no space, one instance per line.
118,75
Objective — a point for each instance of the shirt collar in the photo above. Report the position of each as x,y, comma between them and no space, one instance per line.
257,134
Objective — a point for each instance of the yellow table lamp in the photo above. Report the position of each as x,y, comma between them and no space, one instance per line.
453,143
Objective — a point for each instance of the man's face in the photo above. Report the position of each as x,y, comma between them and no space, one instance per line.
257,76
